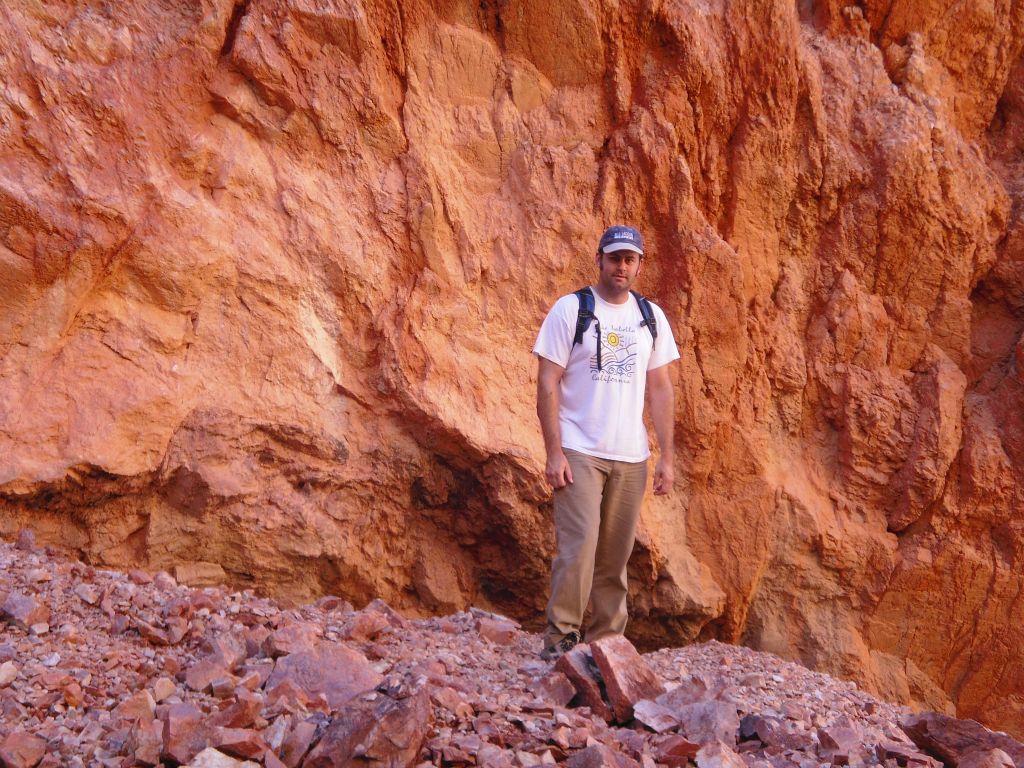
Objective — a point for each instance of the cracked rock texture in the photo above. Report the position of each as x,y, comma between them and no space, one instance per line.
270,273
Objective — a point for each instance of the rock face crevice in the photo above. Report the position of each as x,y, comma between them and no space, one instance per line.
271,272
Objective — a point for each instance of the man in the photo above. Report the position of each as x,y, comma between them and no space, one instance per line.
590,400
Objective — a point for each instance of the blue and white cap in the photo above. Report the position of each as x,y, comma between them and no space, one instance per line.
621,238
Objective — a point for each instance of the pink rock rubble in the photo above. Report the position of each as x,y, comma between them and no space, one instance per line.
133,671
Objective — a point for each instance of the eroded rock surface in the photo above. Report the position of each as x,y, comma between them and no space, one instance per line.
270,272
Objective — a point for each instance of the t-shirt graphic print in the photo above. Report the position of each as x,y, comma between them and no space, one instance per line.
618,355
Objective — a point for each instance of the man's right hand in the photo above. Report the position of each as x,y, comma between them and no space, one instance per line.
557,470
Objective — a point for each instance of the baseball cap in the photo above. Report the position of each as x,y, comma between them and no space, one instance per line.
620,237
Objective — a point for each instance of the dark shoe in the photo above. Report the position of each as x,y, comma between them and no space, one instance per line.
563,646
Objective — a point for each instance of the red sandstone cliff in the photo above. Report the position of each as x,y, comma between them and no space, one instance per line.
270,275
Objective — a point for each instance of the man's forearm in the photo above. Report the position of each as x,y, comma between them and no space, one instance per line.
663,416
547,412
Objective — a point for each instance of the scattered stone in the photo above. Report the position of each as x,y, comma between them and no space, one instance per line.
578,665
330,603
8,673
337,671
948,739
366,625
198,686
656,717
88,593
709,721
903,755
627,677
145,741
294,638
163,688
383,732
23,611
186,733
396,619
556,688
201,675
986,758
242,714
839,744
675,751
600,756
239,742
138,706
774,732
498,632
227,650
719,755
211,758
21,750
298,742
164,581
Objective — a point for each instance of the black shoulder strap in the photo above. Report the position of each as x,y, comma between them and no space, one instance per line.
648,315
586,313
585,317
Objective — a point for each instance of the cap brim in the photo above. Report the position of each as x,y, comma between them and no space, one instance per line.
621,247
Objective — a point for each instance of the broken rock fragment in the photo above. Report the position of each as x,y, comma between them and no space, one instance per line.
294,638
366,625
986,758
555,687
627,677
578,665
21,750
139,706
950,739
675,750
23,611
186,733
337,671
381,731
498,632
201,675
227,650
719,755
658,718
708,721
145,741
212,758
297,743
841,745
600,756
8,673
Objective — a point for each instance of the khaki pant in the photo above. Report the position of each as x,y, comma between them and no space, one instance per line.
595,524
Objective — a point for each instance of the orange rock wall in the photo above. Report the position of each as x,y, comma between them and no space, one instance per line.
271,272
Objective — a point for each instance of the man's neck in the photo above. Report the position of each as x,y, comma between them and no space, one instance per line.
618,297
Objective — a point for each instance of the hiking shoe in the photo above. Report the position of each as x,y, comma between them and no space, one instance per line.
563,646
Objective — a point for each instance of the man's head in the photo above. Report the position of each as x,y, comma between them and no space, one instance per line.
619,253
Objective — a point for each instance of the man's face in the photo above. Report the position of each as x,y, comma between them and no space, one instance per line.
618,269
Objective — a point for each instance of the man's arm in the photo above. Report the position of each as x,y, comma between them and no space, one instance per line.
549,377
662,399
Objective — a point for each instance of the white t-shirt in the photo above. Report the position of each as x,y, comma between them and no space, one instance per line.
601,412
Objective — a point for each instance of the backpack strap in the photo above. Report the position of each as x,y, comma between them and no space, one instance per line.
648,315
585,317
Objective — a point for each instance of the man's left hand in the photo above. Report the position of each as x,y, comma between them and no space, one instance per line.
664,477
